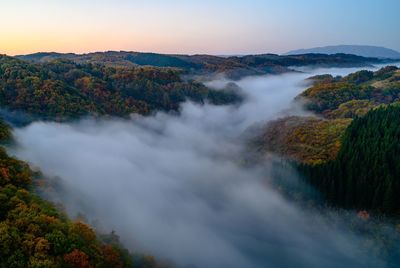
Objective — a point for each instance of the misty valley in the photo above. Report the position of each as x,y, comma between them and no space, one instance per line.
122,159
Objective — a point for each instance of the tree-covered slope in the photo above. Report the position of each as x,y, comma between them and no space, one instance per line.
62,89
33,233
337,100
352,153
308,140
234,67
366,172
332,95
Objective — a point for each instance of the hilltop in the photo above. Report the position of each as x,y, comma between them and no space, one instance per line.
336,101
234,67
62,89
364,51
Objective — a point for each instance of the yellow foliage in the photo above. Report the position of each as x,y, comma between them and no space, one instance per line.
305,139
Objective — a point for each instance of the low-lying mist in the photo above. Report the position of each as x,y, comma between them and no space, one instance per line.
175,185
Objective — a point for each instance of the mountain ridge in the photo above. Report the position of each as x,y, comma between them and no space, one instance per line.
360,50
233,67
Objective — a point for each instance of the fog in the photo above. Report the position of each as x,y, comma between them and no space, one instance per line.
175,186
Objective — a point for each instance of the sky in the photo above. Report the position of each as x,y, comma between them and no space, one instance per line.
221,27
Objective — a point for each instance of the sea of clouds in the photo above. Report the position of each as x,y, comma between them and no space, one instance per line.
175,185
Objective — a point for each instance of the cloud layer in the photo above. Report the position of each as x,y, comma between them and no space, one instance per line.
175,185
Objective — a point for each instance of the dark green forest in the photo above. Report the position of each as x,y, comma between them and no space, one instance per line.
351,151
366,171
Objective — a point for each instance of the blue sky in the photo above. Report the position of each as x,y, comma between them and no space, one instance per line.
195,26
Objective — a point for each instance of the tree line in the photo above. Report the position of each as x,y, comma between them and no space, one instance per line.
366,171
62,89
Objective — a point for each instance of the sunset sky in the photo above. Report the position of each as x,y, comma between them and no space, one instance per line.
195,26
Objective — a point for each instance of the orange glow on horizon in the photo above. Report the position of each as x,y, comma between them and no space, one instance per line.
190,26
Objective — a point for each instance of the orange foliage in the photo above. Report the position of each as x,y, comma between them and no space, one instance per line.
77,259
305,139
84,231
5,172
111,256
42,246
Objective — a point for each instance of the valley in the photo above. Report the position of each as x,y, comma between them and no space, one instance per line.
182,162
199,134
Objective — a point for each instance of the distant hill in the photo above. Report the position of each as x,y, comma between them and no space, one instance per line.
365,51
46,56
61,89
234,67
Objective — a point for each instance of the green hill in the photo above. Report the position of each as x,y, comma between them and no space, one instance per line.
62,89
352,153
233,67
331,96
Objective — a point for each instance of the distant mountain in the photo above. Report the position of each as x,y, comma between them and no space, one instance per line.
365,51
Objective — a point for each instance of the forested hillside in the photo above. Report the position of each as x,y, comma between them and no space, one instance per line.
62,89
366,172
33,233
352,153
353,95
337,100
310,140
234,67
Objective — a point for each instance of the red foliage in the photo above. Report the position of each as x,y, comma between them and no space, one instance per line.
111,256
77,259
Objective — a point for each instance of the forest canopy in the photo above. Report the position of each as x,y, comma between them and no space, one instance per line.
345,96
351,151
365,174
62,89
